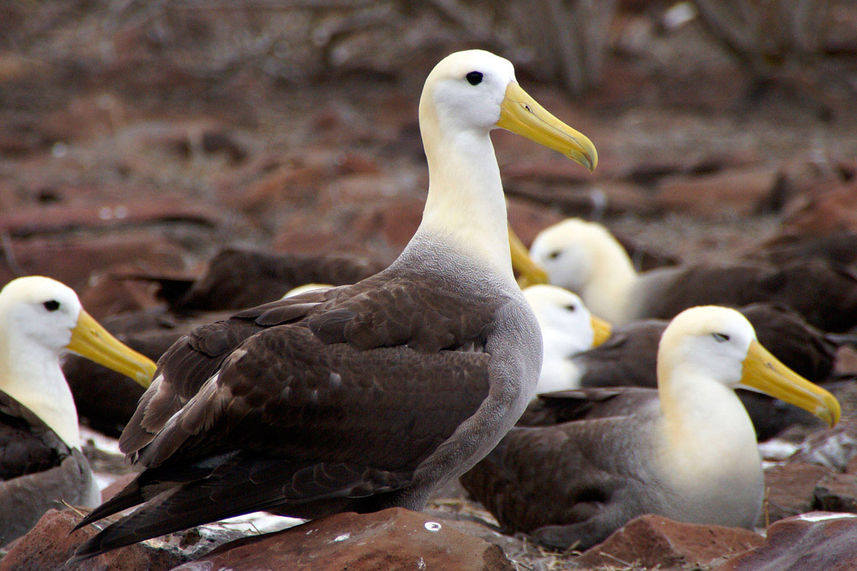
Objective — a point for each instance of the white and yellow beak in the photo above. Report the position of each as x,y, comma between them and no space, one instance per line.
522,114
765,373
89,339
601,330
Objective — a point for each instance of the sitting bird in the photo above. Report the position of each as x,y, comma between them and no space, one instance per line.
41,461
690,455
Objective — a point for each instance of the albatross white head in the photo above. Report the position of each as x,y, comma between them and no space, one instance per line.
585,258
568,328
467,95
39,319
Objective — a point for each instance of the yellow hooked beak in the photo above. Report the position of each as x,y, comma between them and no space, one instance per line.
764,372
521,114
601,330
89,339
529,272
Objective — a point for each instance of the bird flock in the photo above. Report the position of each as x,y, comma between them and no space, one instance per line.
566,409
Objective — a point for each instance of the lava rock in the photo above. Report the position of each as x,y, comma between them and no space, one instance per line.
814,541
51,543
395,538
653,541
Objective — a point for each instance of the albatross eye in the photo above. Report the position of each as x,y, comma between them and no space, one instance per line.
51,305
720,337
474,77
571,307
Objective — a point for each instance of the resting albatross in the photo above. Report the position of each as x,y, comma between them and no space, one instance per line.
585,258
690,456
361,397
40,459
568,328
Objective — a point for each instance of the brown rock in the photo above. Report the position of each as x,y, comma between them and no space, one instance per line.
790,489
51,543
391,539
107,295
42,219
117,485
733,192
655,541
816,541
836,493
72,260
824,212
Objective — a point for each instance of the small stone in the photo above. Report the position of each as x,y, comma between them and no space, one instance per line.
653,541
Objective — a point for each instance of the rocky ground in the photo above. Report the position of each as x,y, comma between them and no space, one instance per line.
142,137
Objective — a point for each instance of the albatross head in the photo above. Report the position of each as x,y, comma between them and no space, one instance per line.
584,257
562,314
465,96
42,314
720,344
477,90
39,319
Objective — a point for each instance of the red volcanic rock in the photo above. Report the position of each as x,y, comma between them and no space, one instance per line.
790,489
733,192
824,212
395,538
72,260
653,541
836,493
50,544
816,541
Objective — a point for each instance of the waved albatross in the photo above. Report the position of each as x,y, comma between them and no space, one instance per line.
585,258
41,463
690,456
568,328
629,357
360,397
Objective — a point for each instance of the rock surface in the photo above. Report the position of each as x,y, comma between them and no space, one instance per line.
815,541
653,541
390,539
50,544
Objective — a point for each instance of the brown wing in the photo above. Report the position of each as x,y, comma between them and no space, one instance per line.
27,445
589,477
323,406
628,358
244,278
588,403
823,293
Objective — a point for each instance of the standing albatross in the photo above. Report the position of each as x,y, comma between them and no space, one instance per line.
41,463
360,397
689,455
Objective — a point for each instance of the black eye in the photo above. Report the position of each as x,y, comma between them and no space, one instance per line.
554,255
571,307
720,337
52,305
474,77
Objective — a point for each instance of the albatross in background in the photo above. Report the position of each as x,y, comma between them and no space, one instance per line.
360,397
41,463
585,258
568,328
578,355
690,456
